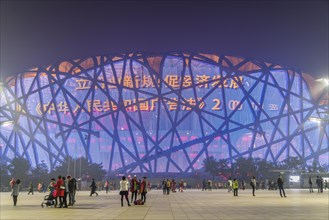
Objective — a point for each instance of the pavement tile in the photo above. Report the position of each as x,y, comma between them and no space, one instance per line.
192,204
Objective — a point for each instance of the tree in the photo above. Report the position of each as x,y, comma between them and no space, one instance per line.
4,175
224,168
96,171
264,168
292,163
211,166
244,168
40,172
19,169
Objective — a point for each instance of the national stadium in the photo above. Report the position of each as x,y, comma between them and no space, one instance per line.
163,113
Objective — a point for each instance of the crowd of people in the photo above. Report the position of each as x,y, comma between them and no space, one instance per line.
59,190
63,190
320,184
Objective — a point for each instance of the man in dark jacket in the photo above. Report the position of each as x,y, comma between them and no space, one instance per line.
72,190
280,186
93,187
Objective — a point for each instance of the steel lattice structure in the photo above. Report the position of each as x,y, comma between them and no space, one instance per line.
146,113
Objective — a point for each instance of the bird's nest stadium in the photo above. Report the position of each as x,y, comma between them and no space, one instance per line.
157,113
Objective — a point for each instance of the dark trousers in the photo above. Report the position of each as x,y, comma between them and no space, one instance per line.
71,198
92,192
282,191
253,190
168,190
65,199
15,200
143,196
235,192
60,201
126,196
133,193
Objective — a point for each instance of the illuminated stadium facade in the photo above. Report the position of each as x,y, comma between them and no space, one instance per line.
146,113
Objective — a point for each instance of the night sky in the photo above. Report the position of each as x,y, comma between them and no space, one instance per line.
290,33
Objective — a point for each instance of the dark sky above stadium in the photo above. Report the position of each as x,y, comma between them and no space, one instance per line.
291,33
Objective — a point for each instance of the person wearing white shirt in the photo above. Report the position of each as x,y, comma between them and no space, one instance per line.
124,186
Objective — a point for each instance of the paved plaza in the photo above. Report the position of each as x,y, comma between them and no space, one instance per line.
191,204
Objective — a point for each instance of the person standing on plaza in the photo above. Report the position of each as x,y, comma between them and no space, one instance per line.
143,189
280,186
318,183
71,190
106,186
124,185
181,185
134,189
204,185
168,186
30,188
235,185
253,183
229,185
59,191
93,188
164,186
310,183
15,186
66,191
173,185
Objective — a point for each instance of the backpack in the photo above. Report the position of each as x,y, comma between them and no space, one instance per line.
138,202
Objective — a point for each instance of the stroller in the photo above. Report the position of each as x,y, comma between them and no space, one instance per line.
49,200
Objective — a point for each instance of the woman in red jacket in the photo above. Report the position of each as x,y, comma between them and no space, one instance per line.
59,190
